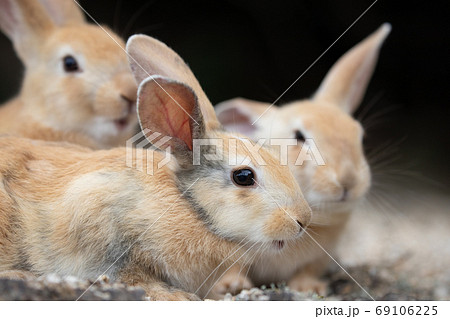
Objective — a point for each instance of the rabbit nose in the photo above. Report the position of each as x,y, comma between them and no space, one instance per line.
129,102
347,182
127,87
302,228
344,194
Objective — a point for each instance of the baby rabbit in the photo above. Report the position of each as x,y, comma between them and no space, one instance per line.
73,211
77,86
332,190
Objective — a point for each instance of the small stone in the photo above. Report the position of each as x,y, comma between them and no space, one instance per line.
228,297
255,290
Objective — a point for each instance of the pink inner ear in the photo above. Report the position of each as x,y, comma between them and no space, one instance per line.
177,121
168,111
235,121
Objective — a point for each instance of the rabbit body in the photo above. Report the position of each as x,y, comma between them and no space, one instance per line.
79,214
334,189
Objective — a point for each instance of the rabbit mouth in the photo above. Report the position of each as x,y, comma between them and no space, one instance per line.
122,123
338,205
278,244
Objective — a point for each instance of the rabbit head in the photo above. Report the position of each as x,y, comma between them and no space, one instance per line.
322,123
77,77
238,188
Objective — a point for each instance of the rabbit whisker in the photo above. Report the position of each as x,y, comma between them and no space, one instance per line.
223,261
215,283
368,107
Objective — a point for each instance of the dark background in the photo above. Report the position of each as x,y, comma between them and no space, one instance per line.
256,49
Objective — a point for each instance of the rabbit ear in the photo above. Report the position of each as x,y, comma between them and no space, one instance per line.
238,115
26,23
346,82
170,108
149,57
64,12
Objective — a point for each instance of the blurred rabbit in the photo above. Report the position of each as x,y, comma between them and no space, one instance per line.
333,190
72,211
77,85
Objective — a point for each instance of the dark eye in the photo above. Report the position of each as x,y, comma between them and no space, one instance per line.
299,136
244,177
70,64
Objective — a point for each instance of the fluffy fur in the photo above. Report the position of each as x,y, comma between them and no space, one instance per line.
93,106
332,190
72,211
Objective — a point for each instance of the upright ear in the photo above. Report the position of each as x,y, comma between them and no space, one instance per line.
171,109
346,82
26,23
239,115
148,56
64,12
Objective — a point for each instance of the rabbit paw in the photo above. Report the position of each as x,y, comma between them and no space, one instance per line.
308,283
171,295
232,283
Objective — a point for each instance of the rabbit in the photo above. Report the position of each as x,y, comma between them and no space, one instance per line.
77,85
70,210
333,190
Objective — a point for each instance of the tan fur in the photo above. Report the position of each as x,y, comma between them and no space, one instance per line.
332,190
56,229
72,211
17,275
93,107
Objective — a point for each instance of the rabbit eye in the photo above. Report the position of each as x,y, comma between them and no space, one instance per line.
299,136
70,64
244,177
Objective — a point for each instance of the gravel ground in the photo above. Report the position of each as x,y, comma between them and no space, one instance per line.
381,284
55,288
